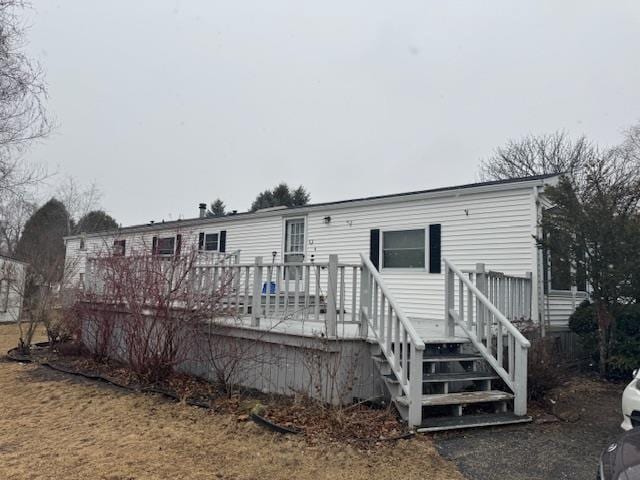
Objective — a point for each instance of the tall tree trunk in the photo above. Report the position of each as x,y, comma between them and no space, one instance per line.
604,319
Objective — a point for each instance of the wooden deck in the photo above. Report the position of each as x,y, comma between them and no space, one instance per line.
430,330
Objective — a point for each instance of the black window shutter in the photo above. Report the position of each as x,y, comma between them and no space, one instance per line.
222,245
154,245
374,248
435,248
201,241
178,244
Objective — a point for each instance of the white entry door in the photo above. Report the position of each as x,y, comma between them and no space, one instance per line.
294,239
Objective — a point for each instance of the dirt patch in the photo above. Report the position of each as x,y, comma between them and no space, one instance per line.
586,416
56,426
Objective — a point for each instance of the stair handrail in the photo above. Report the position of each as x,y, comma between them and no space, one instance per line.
413,334
396,336
477,305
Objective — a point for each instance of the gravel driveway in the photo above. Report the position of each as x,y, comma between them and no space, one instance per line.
558,451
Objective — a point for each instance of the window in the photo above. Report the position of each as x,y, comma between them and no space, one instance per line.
403,249
82,245
119,248
166,246
211,242
4,295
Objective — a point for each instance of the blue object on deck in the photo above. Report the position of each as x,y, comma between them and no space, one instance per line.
272,288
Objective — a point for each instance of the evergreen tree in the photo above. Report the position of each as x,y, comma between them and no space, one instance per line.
42,242
96,221
217,209
281,195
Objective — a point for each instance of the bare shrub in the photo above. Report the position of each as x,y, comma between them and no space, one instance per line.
148,310
545,370
233,361
331,372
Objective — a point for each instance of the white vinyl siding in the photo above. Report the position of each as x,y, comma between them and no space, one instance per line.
12,275
493,227
560,305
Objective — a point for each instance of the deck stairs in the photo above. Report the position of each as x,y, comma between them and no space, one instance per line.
459,389
473,379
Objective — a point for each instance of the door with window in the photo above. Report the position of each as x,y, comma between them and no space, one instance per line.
294,239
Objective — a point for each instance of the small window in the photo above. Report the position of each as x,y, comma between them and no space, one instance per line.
82,245
4,295
119,248
403,249
211,242
166,246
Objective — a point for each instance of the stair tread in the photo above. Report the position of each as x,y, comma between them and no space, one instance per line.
459,398
451,377
435,424
452,357
458,376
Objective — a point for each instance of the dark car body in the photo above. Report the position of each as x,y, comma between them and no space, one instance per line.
621,459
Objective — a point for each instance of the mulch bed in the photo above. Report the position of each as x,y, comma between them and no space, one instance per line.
359,425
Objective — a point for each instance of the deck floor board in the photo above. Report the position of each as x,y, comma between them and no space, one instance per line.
431,331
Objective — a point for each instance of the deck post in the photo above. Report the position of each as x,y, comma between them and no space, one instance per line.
257,293
365,299
520,379
415,387
332,294
529,304
449,299
481,284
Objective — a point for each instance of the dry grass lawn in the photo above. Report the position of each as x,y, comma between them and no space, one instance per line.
53,426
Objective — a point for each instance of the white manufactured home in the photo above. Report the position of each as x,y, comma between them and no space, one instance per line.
12,277
430,285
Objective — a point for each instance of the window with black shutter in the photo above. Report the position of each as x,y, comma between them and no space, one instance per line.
211,242
166,246
403,249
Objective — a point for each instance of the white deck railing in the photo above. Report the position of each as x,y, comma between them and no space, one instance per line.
510,293
502,345
313,291
205,258
398,340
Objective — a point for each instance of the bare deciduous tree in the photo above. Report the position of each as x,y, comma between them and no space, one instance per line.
14,213
598,222
538,155
78,199
22,94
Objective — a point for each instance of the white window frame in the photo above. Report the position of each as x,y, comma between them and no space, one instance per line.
284,236
284,251
425,232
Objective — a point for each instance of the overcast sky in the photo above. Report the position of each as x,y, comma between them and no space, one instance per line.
168,103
